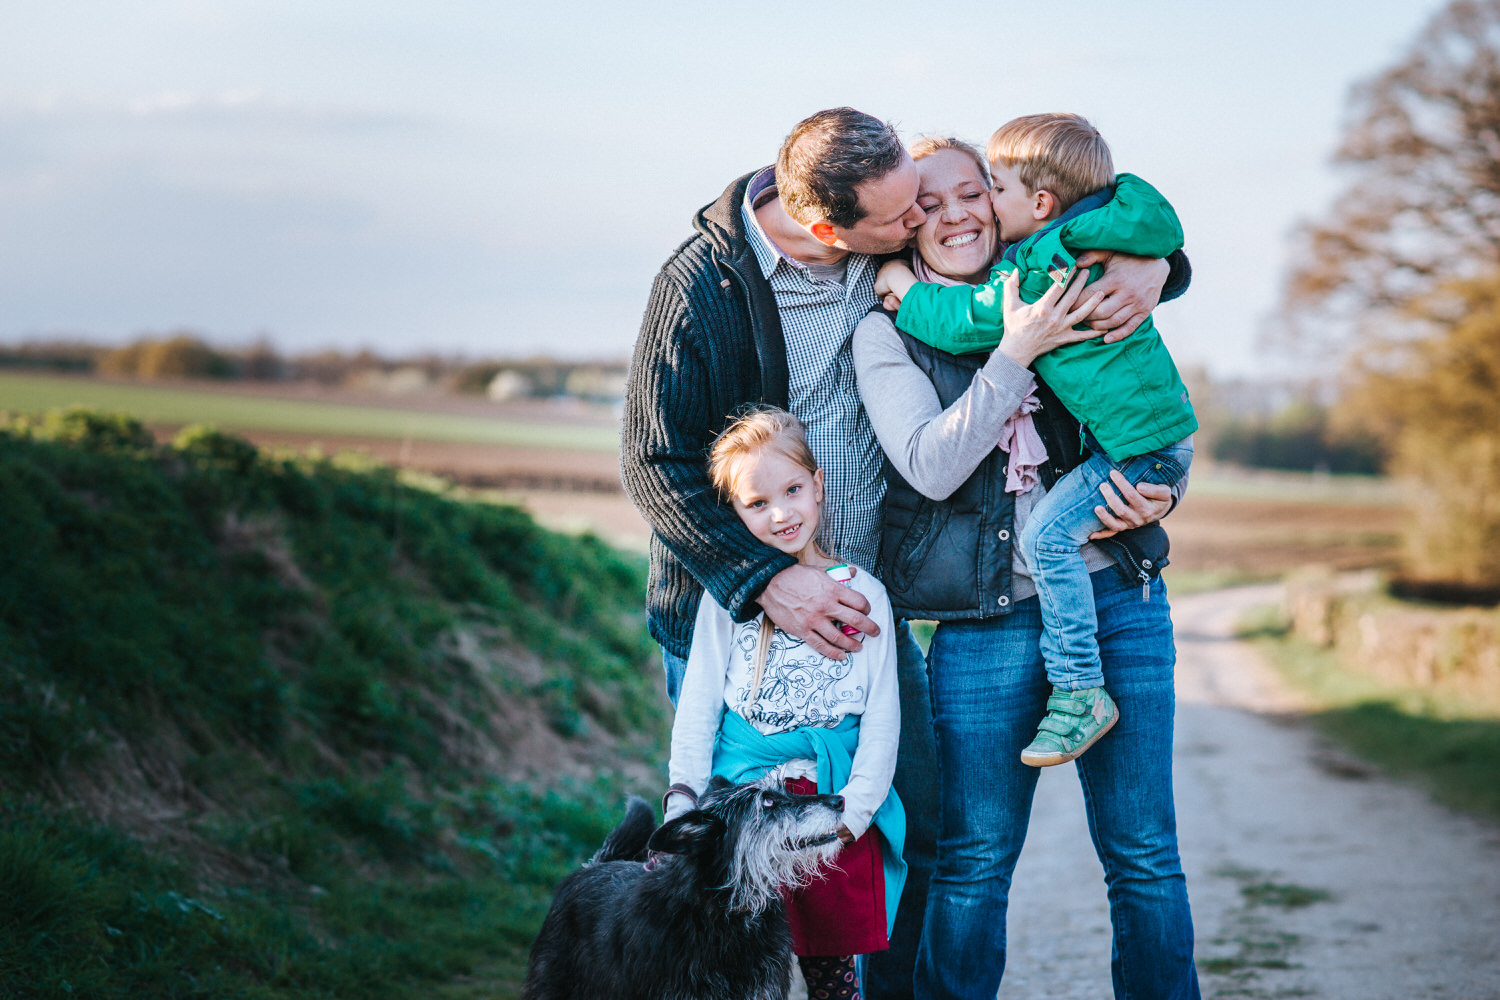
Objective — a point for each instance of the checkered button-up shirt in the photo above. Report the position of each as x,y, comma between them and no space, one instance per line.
818,314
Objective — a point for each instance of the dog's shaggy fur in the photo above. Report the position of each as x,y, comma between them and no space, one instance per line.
706,920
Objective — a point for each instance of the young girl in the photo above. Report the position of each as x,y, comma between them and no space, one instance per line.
756,702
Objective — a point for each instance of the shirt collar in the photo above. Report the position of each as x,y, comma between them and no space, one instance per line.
767,253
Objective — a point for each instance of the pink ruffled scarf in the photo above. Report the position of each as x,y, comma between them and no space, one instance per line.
1018,436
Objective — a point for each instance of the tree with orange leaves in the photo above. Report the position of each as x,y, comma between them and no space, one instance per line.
1408,260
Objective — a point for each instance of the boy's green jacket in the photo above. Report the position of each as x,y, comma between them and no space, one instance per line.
1128,394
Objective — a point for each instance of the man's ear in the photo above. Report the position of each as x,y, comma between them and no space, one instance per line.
679,836
823,233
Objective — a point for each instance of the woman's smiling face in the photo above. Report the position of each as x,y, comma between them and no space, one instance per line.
958,239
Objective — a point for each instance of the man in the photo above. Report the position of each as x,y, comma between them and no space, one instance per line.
759,306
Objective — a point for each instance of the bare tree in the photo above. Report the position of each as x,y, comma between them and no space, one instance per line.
1409,259
1423,209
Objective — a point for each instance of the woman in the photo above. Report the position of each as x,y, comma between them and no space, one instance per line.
939,418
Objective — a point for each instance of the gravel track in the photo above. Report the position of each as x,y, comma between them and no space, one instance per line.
1310,874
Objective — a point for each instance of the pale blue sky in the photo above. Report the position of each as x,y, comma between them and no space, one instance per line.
502,179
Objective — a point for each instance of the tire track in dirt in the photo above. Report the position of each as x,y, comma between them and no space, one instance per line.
1310,874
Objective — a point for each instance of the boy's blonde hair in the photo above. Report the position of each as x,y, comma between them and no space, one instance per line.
759,427
926,145
1058,152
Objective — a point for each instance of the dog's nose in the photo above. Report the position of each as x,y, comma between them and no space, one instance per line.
836,802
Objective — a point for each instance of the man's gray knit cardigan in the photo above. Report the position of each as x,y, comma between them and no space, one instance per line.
710,343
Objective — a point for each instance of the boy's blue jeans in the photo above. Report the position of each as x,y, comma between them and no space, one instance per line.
987,693
1050,544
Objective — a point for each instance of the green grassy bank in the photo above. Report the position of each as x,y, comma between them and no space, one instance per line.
277,727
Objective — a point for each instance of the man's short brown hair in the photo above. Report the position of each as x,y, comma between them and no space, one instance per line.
824,160
1061,153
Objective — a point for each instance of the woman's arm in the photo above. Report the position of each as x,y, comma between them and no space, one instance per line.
936,449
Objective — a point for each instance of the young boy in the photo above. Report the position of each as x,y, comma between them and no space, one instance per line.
1055,194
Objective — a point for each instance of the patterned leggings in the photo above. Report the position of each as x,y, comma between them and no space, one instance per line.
829,977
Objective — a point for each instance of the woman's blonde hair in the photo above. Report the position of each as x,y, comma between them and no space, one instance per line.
926,145
1059,152
756,428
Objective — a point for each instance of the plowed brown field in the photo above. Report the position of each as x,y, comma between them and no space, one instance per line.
1216,529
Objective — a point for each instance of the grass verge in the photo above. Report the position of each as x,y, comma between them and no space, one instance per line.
86,910
1406,731
1182,582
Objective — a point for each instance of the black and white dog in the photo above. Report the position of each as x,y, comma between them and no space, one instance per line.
704,918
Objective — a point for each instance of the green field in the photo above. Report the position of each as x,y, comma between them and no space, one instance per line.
154,404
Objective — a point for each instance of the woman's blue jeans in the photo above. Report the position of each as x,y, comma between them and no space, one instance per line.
988,691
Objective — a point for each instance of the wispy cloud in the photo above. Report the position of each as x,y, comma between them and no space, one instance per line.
242,105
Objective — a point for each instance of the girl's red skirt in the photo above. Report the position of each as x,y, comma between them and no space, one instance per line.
842,913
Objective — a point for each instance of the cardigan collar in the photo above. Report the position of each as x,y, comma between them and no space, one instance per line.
722,223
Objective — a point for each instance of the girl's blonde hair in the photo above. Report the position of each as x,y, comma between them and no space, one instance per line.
759,427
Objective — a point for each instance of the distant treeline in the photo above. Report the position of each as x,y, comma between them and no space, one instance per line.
1300,436
188,355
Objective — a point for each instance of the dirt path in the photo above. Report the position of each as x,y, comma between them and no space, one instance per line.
1310,875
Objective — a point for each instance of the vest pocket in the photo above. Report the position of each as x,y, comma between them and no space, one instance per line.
908,549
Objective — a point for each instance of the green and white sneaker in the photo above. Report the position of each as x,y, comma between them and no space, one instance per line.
1075,721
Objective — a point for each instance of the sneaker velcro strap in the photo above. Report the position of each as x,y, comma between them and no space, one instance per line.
1070,706
1057,726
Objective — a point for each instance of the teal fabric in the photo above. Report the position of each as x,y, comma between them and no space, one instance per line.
743,753
1129,393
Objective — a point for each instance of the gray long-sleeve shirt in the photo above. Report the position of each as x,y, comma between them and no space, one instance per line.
936,449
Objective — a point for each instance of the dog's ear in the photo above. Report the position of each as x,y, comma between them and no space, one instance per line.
679,836
718,783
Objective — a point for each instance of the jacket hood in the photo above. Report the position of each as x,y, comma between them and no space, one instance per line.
722,223
1087,203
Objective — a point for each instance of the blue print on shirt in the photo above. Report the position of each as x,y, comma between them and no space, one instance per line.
801,686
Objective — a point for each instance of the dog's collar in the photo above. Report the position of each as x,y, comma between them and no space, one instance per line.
654,858
681,789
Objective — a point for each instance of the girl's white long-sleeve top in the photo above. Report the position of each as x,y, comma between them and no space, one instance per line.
801,687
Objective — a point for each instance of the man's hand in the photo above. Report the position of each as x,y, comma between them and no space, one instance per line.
809,604
892,283
1131,287
1132,506
845,834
